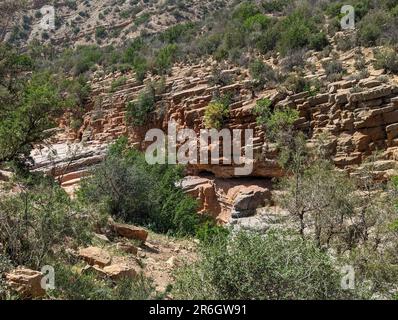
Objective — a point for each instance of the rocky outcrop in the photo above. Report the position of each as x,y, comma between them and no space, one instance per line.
223,198
95,256
26,283
354,118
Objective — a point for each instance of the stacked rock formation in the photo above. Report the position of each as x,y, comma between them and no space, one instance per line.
357,117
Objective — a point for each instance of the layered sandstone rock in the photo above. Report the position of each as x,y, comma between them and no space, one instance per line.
226,198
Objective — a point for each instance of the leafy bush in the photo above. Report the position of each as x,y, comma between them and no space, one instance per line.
75,286
318,41
100,33
165,58
373,27
276,121
299,30
297,83
25,118
271,6
334,70
251,266
36,220
215,115
257,22
130,189
176,33
245,11
208,231
387,59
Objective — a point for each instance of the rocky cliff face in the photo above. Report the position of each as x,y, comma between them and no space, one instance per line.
356,117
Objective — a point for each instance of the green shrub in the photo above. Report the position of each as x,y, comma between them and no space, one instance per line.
387,59
36,220
208,231
71,4
257,22
271,6
76,124
297,83
373,26
245,11
275,121
142,19
100,33
318,41
117,83
165,58
260,267
216,114
298,29
262,74
177,33
134,191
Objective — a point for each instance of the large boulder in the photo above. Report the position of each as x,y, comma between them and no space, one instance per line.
117,271
129,231
26,283
203,190
95,256
248,200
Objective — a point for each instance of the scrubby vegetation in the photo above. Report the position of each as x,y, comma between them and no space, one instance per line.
251,266
216,114
132,190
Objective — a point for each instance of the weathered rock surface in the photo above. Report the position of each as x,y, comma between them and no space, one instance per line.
223,197
128,231
118,271
355,118
95,256
26,283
